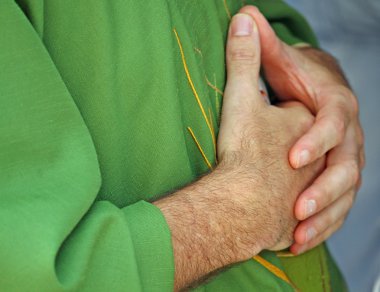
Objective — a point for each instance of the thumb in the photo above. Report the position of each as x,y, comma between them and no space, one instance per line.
282,64
243,64
273,50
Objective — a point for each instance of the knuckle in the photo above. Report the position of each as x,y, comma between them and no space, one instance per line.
354,104
307,121
321,194
349,100
243,55
338,125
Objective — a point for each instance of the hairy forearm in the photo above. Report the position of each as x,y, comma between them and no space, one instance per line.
205,234
246,204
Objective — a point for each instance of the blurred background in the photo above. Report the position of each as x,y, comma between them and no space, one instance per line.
350,30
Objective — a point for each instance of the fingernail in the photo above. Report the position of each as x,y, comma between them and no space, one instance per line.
242,25
303,158
310,233
310,207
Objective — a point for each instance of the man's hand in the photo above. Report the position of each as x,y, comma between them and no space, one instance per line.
314,78
246,204
255,138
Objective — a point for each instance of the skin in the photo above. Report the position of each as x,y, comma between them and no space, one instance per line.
246,204
314,78
252,200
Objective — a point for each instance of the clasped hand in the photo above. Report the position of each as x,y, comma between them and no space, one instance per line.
323,142
287,174
253,146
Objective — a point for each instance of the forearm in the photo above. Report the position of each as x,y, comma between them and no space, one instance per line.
246,204
205,232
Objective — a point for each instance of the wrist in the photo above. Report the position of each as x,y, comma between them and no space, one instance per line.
197,234
207,224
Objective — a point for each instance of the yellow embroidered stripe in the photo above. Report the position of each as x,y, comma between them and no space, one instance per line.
213,86
217,99
213,132
193,87
200,148
227,9
273,269
198,51
284,254
212,123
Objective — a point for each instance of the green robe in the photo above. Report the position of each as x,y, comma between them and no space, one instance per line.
97,118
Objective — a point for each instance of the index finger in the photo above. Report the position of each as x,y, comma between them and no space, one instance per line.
327,132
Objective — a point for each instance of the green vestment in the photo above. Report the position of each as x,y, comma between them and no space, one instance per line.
97,118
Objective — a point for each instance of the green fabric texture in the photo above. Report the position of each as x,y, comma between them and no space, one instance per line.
248,276
315,271
95,109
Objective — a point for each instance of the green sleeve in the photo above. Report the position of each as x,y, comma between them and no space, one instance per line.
289,25
54,235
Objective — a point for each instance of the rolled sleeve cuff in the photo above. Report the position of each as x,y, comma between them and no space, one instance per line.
153,246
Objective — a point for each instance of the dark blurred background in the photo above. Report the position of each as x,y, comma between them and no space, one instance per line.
350,30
